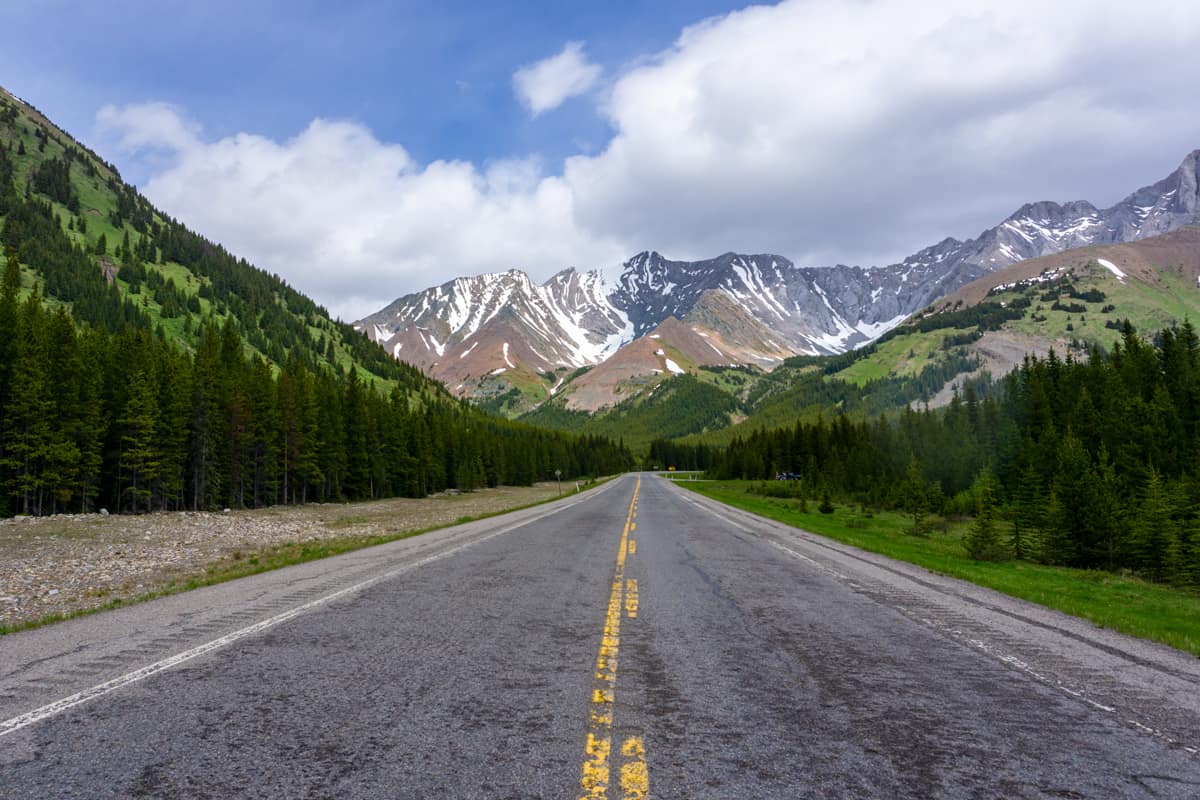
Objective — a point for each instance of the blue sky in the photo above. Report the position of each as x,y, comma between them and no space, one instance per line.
433,76
367,150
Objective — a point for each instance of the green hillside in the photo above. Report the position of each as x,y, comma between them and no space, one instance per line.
94,243
677,407
145,368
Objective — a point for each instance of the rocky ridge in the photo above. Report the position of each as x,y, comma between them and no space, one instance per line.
484,334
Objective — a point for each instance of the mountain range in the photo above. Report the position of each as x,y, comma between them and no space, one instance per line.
667,349
501,338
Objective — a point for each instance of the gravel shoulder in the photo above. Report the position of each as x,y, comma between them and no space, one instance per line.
65,564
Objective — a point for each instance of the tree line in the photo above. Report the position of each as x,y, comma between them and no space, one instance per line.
1093,462
123,420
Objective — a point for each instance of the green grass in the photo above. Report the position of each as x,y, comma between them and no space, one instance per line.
905,355
734,381
1150,307
286,554
1122,603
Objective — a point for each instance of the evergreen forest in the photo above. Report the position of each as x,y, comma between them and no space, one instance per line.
143,367
126,421
1091,462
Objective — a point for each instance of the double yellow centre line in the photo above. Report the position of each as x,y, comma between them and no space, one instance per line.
597,769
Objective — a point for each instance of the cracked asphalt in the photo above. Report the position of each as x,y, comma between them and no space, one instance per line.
744,660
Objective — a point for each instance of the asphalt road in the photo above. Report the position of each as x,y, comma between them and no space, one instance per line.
623,643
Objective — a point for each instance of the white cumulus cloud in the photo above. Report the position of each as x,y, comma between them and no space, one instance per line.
148,126
547,84
822,130
353,221
830,131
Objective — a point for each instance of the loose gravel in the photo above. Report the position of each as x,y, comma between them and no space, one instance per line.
75,562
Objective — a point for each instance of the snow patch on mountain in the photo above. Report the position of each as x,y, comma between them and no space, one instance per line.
761,307
1113,268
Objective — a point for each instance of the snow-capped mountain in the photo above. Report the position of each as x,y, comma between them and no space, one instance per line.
489,324
762,302
1044,228
480,334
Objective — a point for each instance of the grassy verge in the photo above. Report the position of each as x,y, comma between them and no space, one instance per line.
271,557
1122,603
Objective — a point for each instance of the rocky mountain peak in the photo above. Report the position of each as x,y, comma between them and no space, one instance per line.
753,308
1185,184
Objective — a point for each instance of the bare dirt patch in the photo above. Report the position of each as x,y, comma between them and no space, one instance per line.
1001,352
69,563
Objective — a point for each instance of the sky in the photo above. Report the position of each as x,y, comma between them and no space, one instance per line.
365,150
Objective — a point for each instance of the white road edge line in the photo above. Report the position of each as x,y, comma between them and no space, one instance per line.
58,706
978,644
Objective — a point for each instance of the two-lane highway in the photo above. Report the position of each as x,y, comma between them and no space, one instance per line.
630,642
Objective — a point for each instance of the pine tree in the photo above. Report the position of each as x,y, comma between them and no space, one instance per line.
1107,510
174,410
208,423
27,430
1027,502
9,335
63,456
357,455
1075,486
1057,547
92,421
1187,571
1154,532
983,538
264,428
915,497
140,457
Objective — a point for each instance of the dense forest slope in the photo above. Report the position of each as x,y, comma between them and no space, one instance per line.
1091,462
143,367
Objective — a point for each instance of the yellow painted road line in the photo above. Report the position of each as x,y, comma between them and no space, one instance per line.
635,778
632,547
631,598
597,771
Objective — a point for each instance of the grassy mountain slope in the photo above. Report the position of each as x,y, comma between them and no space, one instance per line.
676,407
92,242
